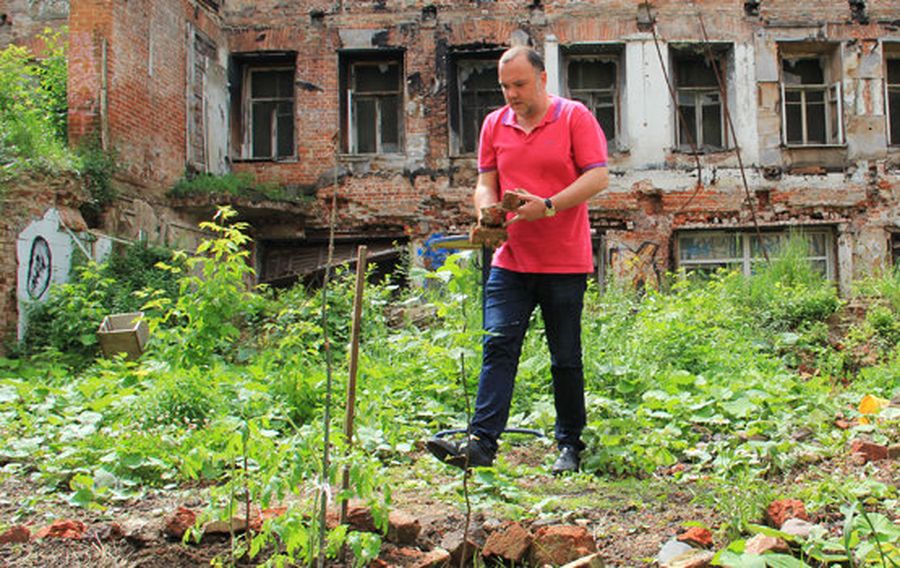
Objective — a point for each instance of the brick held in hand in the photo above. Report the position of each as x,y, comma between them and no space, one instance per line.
511,201
492,216
489,236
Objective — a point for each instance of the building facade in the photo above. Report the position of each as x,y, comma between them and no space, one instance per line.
731,123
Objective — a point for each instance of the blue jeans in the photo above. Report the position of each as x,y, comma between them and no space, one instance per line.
510,298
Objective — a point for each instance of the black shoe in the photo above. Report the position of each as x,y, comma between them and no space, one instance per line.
470,453
567,462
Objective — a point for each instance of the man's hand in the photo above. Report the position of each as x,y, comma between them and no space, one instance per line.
532,210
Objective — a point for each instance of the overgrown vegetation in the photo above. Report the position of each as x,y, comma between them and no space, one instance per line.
233,184
736,380
33,108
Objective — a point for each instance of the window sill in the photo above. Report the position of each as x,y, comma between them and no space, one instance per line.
287,160
812,146
366,157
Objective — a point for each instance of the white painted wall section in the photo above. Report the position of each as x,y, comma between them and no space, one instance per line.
648,117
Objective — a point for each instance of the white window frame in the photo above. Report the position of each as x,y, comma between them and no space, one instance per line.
746,259
697,93
352,99
248,100
831,95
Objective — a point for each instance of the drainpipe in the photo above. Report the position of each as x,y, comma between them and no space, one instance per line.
104,104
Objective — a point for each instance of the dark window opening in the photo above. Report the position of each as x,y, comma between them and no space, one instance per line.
372,103
893,100
475,92
264,128
701,116
593,81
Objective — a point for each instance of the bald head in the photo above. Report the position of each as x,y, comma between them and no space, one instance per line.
534,58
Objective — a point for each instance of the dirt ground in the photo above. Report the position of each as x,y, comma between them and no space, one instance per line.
630,519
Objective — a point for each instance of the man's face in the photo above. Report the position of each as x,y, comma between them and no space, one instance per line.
523,87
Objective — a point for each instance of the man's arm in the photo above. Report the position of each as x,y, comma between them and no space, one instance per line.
588,184
486,192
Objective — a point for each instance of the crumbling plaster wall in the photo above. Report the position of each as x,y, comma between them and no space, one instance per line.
22,21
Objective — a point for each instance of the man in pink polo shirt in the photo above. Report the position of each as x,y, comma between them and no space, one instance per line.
552,152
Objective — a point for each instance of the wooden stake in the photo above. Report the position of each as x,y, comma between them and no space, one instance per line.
354,362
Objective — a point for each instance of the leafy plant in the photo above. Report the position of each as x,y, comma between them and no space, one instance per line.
33,106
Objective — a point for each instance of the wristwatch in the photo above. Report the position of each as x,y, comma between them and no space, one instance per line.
549,210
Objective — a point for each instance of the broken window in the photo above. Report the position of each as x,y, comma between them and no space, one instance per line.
372,103
475,93
893,100
268,112
592,80
700,121
709,251
810,101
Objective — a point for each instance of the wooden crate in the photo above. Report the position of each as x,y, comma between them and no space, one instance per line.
123,333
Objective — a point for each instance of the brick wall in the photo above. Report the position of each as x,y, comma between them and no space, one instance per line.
653,190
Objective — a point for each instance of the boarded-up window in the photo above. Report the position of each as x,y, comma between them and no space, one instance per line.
269,95
372,103
593,81
701,117
811,109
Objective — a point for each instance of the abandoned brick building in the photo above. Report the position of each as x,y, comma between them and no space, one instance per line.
790,118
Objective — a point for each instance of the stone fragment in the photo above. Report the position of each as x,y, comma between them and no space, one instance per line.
403,528
591,561
672,550
179,522
561,544
492,216
697,536
489,236
510,543
453,543
871,450
784,509
694,558
238,524
760,544
140,532
511,201
360,519
62,529
105,532
15,534
437,558
797,527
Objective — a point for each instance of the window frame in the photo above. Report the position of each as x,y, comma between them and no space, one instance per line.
832,96
247,103
601,53
721,53
889,113
350,61
745,257
459,63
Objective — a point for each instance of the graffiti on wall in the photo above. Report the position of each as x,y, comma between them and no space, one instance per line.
638,267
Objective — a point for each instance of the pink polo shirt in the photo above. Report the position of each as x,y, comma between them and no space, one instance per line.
566,143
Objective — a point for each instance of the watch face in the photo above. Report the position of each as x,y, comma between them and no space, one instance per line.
39,268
